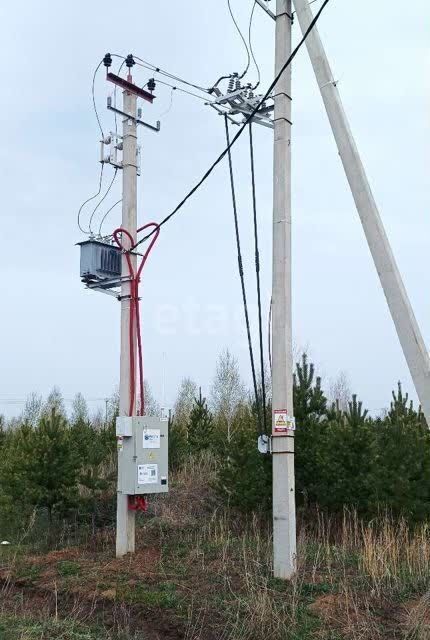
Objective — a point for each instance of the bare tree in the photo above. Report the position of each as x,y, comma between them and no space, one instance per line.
152,407
32,409
79,411
188,391
55,402
227,392
340,390
112,406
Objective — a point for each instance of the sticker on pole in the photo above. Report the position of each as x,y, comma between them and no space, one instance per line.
283,422
147,474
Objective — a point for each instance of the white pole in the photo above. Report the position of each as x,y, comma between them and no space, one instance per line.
125,531
400,307
284,509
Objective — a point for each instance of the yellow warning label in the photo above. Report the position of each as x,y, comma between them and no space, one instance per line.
280,421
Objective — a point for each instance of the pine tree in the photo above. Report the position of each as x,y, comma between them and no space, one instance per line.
200,426
245,475
41,466
309,399
178,445
355,415
402,478
310,407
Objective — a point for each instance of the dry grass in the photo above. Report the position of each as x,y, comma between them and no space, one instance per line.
206,573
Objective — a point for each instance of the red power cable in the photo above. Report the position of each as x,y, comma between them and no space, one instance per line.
135,331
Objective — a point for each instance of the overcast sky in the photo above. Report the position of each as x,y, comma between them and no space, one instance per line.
53,332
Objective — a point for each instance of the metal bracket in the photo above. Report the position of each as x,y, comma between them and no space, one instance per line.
129,117
242,102
266,9
107,285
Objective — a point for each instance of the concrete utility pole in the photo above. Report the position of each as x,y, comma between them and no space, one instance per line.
284,508
400,307
125,519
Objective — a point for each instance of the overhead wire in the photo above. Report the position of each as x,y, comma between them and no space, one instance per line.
106,215
94,98
257,273
190,93
243,74
89,200
172,76
254,4
102,199
166,111
242,128
241,274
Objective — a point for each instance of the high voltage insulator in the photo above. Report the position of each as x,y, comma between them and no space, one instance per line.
107,60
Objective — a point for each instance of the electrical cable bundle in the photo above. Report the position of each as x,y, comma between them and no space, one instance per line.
135,335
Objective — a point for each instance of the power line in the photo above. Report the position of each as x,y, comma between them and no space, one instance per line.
106,215
250,45
103,198
242,38
89,200
175,88
241,274
154,68
94,98
242,128
257,273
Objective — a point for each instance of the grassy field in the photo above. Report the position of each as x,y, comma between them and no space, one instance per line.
202,573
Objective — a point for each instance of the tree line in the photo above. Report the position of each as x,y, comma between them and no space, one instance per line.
66,465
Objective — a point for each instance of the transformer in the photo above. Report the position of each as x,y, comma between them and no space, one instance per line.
100,263
143,448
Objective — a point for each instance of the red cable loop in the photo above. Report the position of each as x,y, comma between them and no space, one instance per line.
135,330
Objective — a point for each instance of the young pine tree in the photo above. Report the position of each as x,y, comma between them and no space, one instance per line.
310,407
200,426
178,445
41,467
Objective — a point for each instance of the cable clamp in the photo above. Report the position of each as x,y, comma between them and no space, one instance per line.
285,13
281,93
281,118
330,82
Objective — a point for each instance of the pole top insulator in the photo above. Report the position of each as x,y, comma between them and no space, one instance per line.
151,85
107,60
129,61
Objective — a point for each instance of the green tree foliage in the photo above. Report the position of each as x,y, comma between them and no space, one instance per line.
310,407
40,466
402,470
94,449
178,443
245,475
200,426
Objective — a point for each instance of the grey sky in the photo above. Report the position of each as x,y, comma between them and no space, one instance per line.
53,332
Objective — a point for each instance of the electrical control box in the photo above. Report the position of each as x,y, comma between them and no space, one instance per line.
143,460
99,261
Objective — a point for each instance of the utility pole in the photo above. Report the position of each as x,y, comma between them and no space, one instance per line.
125,530
408,331
284,508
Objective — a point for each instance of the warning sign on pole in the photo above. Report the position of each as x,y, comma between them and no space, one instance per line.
283,422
